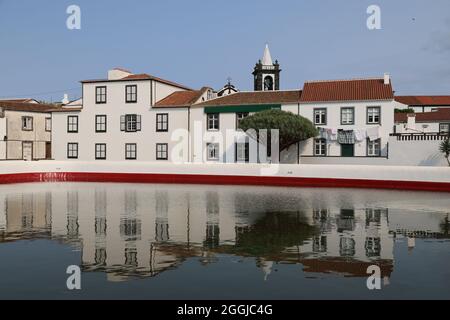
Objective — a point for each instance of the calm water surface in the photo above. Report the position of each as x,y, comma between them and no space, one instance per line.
206,242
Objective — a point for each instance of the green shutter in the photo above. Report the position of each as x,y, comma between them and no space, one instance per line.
242,108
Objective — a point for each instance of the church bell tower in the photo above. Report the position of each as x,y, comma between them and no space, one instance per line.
266,73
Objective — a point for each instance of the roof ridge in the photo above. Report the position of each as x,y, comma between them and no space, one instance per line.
342,80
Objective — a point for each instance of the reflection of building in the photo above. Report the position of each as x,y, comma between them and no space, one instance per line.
123,230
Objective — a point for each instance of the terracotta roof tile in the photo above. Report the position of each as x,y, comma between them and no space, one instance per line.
26,106
180,99
424,100
442,114
254,97
347,90
140,76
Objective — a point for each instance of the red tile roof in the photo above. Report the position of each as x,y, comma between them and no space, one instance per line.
26,106
141,76
442,114
254,97
22,100
347,90
181,98
424,100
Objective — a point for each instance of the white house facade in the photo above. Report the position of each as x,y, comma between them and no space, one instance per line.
119,121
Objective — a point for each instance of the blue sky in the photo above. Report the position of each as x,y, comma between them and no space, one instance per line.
201,42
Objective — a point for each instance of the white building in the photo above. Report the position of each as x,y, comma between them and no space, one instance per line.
423,122
120,119
25,130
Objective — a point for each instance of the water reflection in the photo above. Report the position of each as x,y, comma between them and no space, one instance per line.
142,230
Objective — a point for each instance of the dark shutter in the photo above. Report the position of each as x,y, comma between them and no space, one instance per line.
122,123
138,123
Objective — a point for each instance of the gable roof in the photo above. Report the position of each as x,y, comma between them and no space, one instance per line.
181,98
140,76
347,90
28,106
30,100
424,100
439,115
254,97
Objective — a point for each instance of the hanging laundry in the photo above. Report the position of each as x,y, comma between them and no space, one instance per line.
333,134
360,134
323,133
373,133
346,137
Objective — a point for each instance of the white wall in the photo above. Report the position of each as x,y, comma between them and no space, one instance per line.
2,135
416,153
114,138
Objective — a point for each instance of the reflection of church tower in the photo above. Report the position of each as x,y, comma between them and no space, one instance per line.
266,73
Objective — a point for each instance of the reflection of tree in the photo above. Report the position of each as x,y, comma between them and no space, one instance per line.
271,235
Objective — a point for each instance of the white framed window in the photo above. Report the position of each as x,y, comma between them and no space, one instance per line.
72,150
320,116
162,151
239,117
374,148
162,122
100,123
131,93
213,121
212,150
130,151
27,123
100,151
347,115
130,123
72,124
100,94
48,124
373,115
242,152
320,147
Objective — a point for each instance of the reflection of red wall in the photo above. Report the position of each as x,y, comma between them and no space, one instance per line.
223,179
347,267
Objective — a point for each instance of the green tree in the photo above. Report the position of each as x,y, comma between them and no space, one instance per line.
445,149
292,128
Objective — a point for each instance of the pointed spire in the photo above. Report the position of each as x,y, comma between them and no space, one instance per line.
267,58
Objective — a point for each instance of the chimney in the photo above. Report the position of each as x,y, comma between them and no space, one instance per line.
387,79
65,100
411,124
118,73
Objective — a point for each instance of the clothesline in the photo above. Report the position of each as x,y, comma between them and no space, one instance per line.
350,136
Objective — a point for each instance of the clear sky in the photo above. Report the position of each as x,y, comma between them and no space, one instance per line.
202,42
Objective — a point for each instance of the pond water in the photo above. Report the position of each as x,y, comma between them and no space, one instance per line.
144,241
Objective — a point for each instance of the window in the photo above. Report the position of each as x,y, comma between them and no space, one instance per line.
162,122
72,123
212,151
130,151
444,128
48,124
27,123
320,116
100,123
72,150
373,115
100,95
131,94
320,147
347,115
213,121
161,151
242,153
374,148
130,123
100,151
239,117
